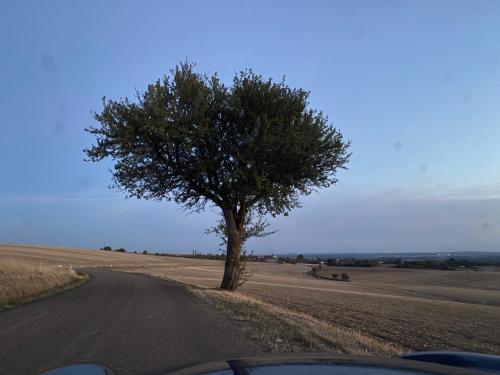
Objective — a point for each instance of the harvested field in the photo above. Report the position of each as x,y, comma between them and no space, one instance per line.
401,308
280,330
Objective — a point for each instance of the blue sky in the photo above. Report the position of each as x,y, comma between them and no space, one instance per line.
414,84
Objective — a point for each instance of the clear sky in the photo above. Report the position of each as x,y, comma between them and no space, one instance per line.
414,84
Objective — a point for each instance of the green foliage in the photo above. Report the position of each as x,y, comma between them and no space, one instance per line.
253,147
335,276
145,252
106,248
192,139
300,258
344,276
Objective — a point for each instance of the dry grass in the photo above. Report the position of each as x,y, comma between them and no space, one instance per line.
405,309
21,283
279,330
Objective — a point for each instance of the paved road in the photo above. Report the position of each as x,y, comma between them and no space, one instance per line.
132,323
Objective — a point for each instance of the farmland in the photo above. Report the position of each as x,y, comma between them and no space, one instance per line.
406,309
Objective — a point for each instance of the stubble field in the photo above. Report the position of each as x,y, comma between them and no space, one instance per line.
401,309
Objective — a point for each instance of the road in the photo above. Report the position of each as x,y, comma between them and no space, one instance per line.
133,324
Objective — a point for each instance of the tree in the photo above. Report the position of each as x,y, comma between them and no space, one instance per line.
254,145
300,258
254,225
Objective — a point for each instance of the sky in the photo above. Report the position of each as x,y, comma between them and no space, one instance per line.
415,85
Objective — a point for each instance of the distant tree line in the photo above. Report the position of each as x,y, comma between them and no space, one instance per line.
442,264
122,250
350,263
197,255
108,248
335,262
249,257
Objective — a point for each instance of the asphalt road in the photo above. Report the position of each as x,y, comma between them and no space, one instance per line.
131,323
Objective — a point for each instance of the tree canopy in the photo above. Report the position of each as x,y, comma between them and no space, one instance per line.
252,145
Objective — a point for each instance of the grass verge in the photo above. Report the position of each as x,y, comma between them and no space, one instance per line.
25,283
279,330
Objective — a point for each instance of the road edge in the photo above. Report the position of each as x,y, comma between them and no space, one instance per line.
280,330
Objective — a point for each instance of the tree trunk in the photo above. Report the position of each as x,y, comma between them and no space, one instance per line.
232,268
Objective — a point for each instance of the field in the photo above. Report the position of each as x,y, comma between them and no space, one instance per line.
401,309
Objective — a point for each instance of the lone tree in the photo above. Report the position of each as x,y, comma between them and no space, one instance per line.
255,145
254,225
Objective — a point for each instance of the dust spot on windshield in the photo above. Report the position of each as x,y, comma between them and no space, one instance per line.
59,127
423,167
49,64
84,181
358,33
